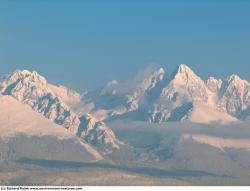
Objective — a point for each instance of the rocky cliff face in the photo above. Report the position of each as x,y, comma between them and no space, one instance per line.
152,95
33,89
158,97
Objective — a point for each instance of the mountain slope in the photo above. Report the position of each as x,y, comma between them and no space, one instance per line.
157,97
33,89
234,96
151,95
115,99
26,133
177,98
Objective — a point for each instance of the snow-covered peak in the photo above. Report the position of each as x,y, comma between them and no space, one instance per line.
150,81
18,75
234,95
27,73
119,98
30,84
54,103
234,77
184,74
151,92
22,72
235,87
184,69
185,83
25,86
141,85
236,80
144,80
214,84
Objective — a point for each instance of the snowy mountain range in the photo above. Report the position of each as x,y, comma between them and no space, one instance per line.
155,96
152,95
123,127
54,103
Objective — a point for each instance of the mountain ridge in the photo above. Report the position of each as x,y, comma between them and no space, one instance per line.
177,92
153,95
33,89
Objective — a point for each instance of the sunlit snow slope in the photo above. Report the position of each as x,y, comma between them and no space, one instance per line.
26,133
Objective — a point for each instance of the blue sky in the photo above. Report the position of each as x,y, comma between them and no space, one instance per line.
84,44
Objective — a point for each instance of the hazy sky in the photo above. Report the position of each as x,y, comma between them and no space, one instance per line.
84,44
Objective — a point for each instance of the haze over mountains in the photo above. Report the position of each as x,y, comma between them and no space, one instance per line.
152,95
109,123
158,96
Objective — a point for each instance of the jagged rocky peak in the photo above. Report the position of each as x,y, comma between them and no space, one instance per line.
119,98
186,83
144,80
18,74
97,133
24,85
22,74
236,80
150,81
183,68
142,84
185,74
234,86
214,84
234,95
163,97
54,103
